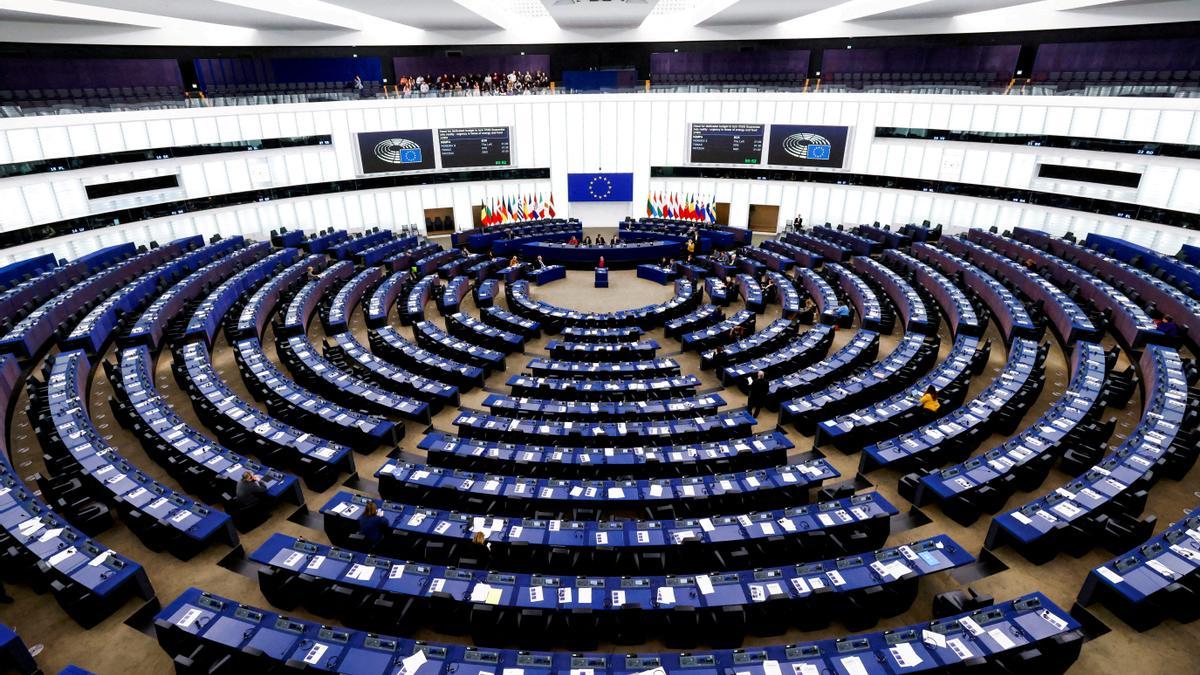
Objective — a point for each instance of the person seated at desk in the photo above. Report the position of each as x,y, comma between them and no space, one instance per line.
249,490
929,402
514,261
1167,326
600,240
665,263
615,241
768,290
312,274
691,247
587,240
736,332
732,259
372,526
572,241
540,264
808,313
759,387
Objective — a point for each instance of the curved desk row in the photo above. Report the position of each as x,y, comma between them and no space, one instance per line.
872,314
252,320
454,489
1029,633
809,532
564,409
588,389
351,356
210,313
1012,318
762,450
336,317
857,590
554,319
476,424
383,298
388,343
299,310
956,306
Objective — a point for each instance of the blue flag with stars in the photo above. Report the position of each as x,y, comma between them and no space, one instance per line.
600,187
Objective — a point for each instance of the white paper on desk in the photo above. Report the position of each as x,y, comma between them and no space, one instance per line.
805,669
316,562
50,534
704,584
411,664
905,655
854,665
656,490
825,519
706,524
770,667
100,559
293,558
479,592
585,595
314,655
970,626
665,595
1001,638
932,638
396,572
189,617
61,555
618,598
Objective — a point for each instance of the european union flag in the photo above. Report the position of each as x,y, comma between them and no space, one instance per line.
600,187
818,152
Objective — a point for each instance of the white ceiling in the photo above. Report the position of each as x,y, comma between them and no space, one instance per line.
349,23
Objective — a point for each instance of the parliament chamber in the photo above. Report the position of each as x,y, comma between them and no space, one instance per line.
383,339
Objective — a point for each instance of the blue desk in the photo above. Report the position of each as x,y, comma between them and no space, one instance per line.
391,377
723,425
1148,584
211,311
718,333
1038,529
388,248
388,343
625,254
601,335
808,532
1012,317
318,460
865,300
337,316
541,367
455,489
788,383
750,292
832,310
16,301
698,319
486,292
1063,425
317,372
288,238
257,311
509,322
438,341
915,354
562,350
601,277
811,587
484,334
760,451
558,409
14,655
547,274
999,407
775,353
656,273
589,389
299,311
304,408
553,319
1030,630
949,379
915,316
203,467
68,435
13,273
383,298
418,296
319,243
956,307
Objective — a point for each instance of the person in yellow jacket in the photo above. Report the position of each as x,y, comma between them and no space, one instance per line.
929,400
691,246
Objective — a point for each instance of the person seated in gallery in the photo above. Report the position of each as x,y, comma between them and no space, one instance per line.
541,264
587,240
600,240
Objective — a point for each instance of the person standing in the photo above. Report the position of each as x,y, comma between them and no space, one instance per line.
759,387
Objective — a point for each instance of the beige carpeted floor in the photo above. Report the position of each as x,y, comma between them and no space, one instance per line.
113,647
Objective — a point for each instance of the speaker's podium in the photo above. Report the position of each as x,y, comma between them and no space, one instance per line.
601,277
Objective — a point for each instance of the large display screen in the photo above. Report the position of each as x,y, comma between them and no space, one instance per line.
807,145
477,146
727,143
388,151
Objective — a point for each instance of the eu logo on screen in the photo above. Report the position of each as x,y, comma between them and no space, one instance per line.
398,151
807,146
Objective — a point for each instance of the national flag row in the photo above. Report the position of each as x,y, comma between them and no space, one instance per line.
516,209
676,206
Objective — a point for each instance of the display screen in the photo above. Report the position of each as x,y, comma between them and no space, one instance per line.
727,143
477,146
807,145
388,151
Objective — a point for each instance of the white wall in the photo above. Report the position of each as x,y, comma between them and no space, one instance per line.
622,133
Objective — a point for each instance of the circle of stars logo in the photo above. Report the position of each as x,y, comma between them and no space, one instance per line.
600,187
